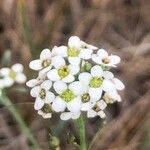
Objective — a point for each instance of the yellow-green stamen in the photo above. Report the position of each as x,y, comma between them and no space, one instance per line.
42,94
85,98
63,72
72,52
12,74
105,60
96,108
47,108
46,63
67,95
96,82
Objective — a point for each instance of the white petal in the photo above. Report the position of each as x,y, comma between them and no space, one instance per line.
8,82
4,71
86,106
76,115
91,113
74,42
74,60
96,71
68,79
108,86
114,59
74,69
60,86
45,54
83,44
108,75
32,83
65,115
102,105
35,91
96,59
61,51
74,105
17,67
58,104
102,53
49,115
85,78
76,87
35,64
101,114
58,61
20,78
85,53
53,75
38,103
119,85
49,97
45,70
95,94
46,85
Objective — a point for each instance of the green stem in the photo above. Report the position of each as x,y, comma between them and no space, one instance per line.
7,103
81,126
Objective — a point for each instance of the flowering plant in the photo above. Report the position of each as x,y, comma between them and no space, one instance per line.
73,79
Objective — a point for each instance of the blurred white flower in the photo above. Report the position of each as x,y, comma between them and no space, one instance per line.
69,115
102,58
69,96
62,71
44,63
97,110
12,75
42,94
33,82
46,111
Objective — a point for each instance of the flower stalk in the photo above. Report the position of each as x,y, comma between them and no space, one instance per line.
81,126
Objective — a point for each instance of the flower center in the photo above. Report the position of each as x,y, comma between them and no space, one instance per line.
105,60
47,108
96,82
63,72
67,95
12,74
85,98
96,108
46,63
42,94
72,52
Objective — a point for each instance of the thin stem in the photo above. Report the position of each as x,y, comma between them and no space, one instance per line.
96,135
81,127
7,103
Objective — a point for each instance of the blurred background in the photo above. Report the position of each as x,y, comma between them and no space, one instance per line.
120,26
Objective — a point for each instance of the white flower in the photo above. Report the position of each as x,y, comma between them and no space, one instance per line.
44,63
46,111
42,94
68,96
33,82
75,51
112,97
118,84
69,115
13,74
97,80
97,110
62,71
103,58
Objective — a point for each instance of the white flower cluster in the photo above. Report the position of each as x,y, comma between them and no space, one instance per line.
8,76
73,79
